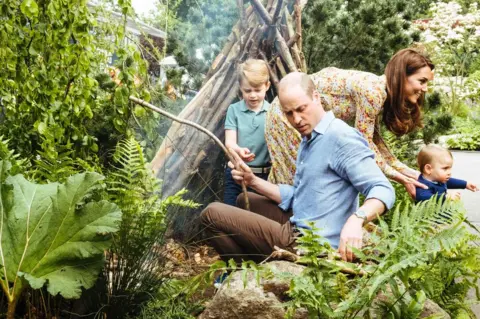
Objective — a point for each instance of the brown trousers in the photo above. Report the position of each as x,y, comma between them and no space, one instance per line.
238,234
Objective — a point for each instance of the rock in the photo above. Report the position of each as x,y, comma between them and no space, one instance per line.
430,308
264,300
254,301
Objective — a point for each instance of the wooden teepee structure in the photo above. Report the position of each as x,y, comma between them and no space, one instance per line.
270,31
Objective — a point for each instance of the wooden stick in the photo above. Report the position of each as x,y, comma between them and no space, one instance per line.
262,12
278,9
200,128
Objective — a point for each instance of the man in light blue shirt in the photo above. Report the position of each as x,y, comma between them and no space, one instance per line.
334,165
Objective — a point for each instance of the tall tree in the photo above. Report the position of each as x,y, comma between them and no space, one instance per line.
197,31
356,34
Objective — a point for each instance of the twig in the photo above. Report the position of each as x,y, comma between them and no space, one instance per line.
200,128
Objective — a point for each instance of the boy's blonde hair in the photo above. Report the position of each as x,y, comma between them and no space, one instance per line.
254,72
428,154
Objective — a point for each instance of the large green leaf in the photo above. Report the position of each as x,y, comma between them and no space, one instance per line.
49,236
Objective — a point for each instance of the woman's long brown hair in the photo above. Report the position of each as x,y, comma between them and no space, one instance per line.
399,115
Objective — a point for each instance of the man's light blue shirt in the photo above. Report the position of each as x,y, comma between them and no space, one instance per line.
333,167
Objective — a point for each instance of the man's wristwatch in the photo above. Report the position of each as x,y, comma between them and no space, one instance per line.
361,214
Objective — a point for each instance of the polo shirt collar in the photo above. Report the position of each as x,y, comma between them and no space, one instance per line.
244,108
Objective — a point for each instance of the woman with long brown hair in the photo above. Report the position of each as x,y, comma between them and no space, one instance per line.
361,99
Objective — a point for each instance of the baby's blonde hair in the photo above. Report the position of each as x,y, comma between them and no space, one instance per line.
254,72
429,153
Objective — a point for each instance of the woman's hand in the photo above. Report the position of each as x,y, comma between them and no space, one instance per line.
410,173
409,183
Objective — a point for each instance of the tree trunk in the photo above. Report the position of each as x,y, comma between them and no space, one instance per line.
188,158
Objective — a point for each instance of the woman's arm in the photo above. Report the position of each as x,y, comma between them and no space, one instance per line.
369,95
391,160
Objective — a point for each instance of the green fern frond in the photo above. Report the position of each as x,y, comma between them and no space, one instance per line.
6,154
393,270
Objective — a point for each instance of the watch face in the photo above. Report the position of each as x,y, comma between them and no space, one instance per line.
361,214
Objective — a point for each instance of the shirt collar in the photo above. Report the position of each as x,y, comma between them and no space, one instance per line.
325,122
428,181
244,108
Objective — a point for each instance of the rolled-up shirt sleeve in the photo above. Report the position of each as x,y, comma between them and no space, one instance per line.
356,163
286,194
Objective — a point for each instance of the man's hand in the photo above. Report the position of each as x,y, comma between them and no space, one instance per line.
454,195
351,236
245,154
472,187
244,173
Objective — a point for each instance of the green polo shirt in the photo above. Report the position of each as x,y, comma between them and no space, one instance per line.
250,127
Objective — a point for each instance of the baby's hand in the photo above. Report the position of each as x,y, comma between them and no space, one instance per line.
246,155
454,195
472,187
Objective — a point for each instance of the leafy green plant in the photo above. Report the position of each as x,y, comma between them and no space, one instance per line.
466,141
55,99
466,134
51,236
136,261
171,302
425,252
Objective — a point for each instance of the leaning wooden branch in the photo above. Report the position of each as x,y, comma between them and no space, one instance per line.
200,128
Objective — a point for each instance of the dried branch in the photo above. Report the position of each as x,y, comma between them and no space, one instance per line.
262,12
273,75
278,9
200,128
293,40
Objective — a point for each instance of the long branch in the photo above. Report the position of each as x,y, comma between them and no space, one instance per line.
200,128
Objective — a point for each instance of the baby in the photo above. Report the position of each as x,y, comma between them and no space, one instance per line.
435,164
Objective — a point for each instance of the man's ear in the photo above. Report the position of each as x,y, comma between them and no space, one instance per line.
316,98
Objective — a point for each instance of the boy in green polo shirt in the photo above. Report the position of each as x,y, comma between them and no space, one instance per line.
245,125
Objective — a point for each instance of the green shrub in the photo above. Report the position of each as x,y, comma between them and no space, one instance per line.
420,254
136,263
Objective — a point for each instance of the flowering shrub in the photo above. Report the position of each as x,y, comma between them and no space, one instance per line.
452,36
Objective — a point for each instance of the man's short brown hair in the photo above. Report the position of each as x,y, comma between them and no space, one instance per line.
298,78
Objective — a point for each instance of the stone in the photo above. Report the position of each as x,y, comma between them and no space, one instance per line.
265,300
255,301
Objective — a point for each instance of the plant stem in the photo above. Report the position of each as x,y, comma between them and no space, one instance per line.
11,308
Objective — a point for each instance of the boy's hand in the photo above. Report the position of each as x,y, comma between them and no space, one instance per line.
472,187
244,174
454,195
246,155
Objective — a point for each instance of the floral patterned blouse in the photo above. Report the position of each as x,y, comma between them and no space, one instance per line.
355,97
